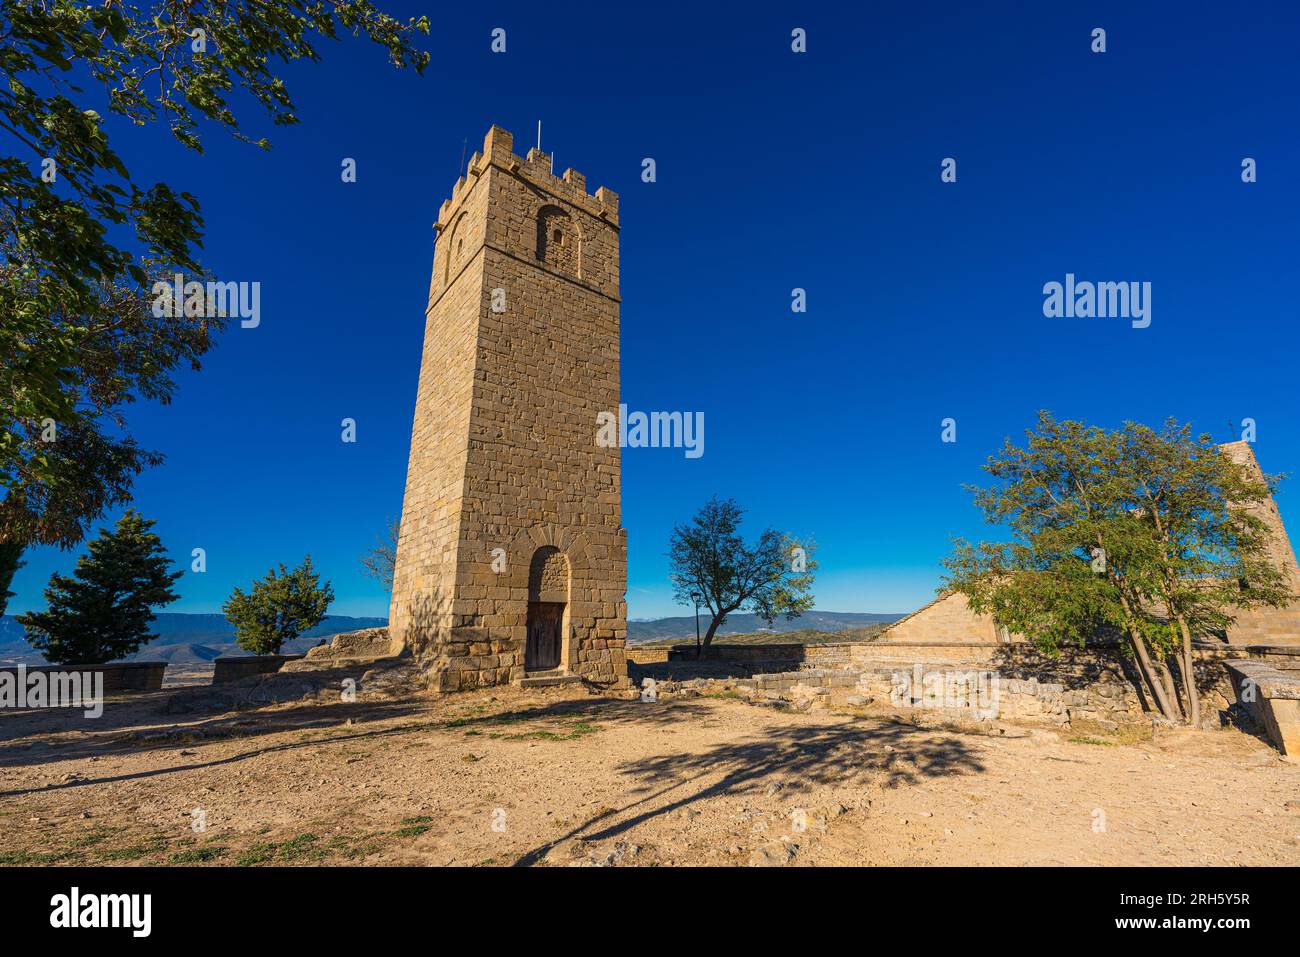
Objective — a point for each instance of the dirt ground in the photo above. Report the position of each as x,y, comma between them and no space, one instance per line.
564,777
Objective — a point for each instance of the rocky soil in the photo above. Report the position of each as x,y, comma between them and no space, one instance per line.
305,768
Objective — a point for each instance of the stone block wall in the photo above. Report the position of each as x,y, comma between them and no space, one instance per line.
947,618
1270,693
1267,625
234,667
119,676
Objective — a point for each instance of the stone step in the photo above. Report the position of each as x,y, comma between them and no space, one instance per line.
547,679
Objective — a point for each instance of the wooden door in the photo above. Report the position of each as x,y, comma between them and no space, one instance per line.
545,620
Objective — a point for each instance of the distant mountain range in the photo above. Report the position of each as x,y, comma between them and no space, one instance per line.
185,639
194,639
640,632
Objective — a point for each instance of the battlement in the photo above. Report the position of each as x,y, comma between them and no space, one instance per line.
1241,453
536,168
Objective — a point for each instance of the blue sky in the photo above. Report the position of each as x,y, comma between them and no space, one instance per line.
775,171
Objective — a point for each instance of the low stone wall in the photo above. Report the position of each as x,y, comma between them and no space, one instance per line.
990,694
1271,695
1094,684
647,656
805,678
118,676
246,666
790,652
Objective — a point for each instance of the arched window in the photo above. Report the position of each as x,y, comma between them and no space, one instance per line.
454,252
558,244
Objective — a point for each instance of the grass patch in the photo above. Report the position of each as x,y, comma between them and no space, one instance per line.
507,717
197,855
1091,732
96,835
133,852
579,729
359,847
38,858
413,830
300,848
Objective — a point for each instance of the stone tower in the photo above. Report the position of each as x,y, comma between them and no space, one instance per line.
1267,626
512,562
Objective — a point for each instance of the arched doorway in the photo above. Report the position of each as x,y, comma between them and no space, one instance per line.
548,604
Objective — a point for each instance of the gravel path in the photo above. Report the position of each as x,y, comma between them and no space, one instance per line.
563,777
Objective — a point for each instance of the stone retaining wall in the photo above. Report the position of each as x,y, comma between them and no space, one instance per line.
1095,684
118,676
245,666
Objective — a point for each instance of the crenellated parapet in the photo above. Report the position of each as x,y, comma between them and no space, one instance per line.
517,206
535,168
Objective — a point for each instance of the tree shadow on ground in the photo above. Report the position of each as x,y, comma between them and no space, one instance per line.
138,721
894,754
603,710
533,720
321,718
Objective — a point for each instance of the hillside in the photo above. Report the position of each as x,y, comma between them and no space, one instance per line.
184,639
195,639
804,637
679,629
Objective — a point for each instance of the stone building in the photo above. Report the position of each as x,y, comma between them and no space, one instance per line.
511,561
948,618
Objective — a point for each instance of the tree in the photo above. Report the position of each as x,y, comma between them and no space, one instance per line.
1211,549
381,561
82,242
711,563
278,608
10,562
1142,535
103,612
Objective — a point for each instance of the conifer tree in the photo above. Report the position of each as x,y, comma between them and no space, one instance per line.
278,608
103,611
